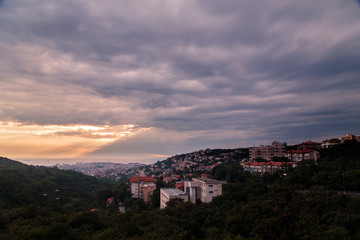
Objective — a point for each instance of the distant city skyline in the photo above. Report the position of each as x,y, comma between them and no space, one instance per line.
138,81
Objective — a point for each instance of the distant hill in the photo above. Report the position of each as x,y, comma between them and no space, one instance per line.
23,184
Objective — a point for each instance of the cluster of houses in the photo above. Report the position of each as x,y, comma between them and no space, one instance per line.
198,161
305,151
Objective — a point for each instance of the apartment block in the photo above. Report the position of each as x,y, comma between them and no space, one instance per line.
203,189
276,149
166,194
143,187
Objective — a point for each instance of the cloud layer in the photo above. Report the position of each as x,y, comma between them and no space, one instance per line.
191,74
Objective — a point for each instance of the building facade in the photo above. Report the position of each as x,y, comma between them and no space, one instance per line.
203,189
276,149
329,143
265,167
166,194
300,155
143,187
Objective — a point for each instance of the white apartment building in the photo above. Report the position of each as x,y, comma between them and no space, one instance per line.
203,188
166,194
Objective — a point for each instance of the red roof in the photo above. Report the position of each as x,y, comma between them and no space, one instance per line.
256,163
145,179
311,142
279,164
301,151
203,175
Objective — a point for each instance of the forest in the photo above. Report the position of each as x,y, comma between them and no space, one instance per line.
315,200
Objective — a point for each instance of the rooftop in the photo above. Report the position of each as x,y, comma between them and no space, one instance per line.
209,180
173,191
145,179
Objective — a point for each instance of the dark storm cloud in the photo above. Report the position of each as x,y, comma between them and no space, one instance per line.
258,67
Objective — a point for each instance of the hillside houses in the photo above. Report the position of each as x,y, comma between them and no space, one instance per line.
202,161
195,162
304,151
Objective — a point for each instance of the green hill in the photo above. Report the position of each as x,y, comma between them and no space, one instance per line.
34,198
22,185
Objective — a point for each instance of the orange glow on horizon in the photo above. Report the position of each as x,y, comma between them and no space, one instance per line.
34,140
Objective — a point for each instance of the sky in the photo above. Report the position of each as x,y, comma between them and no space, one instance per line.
143,80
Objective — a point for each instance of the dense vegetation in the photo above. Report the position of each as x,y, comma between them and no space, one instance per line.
306,202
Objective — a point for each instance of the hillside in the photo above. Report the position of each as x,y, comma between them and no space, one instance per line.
195,162
306,202
23,185
337,169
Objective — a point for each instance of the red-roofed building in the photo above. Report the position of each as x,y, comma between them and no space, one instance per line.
175,177
299,155
254,166
144,179
143,187
309,145
167,179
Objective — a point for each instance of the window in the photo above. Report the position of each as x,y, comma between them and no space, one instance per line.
210,191
211,185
